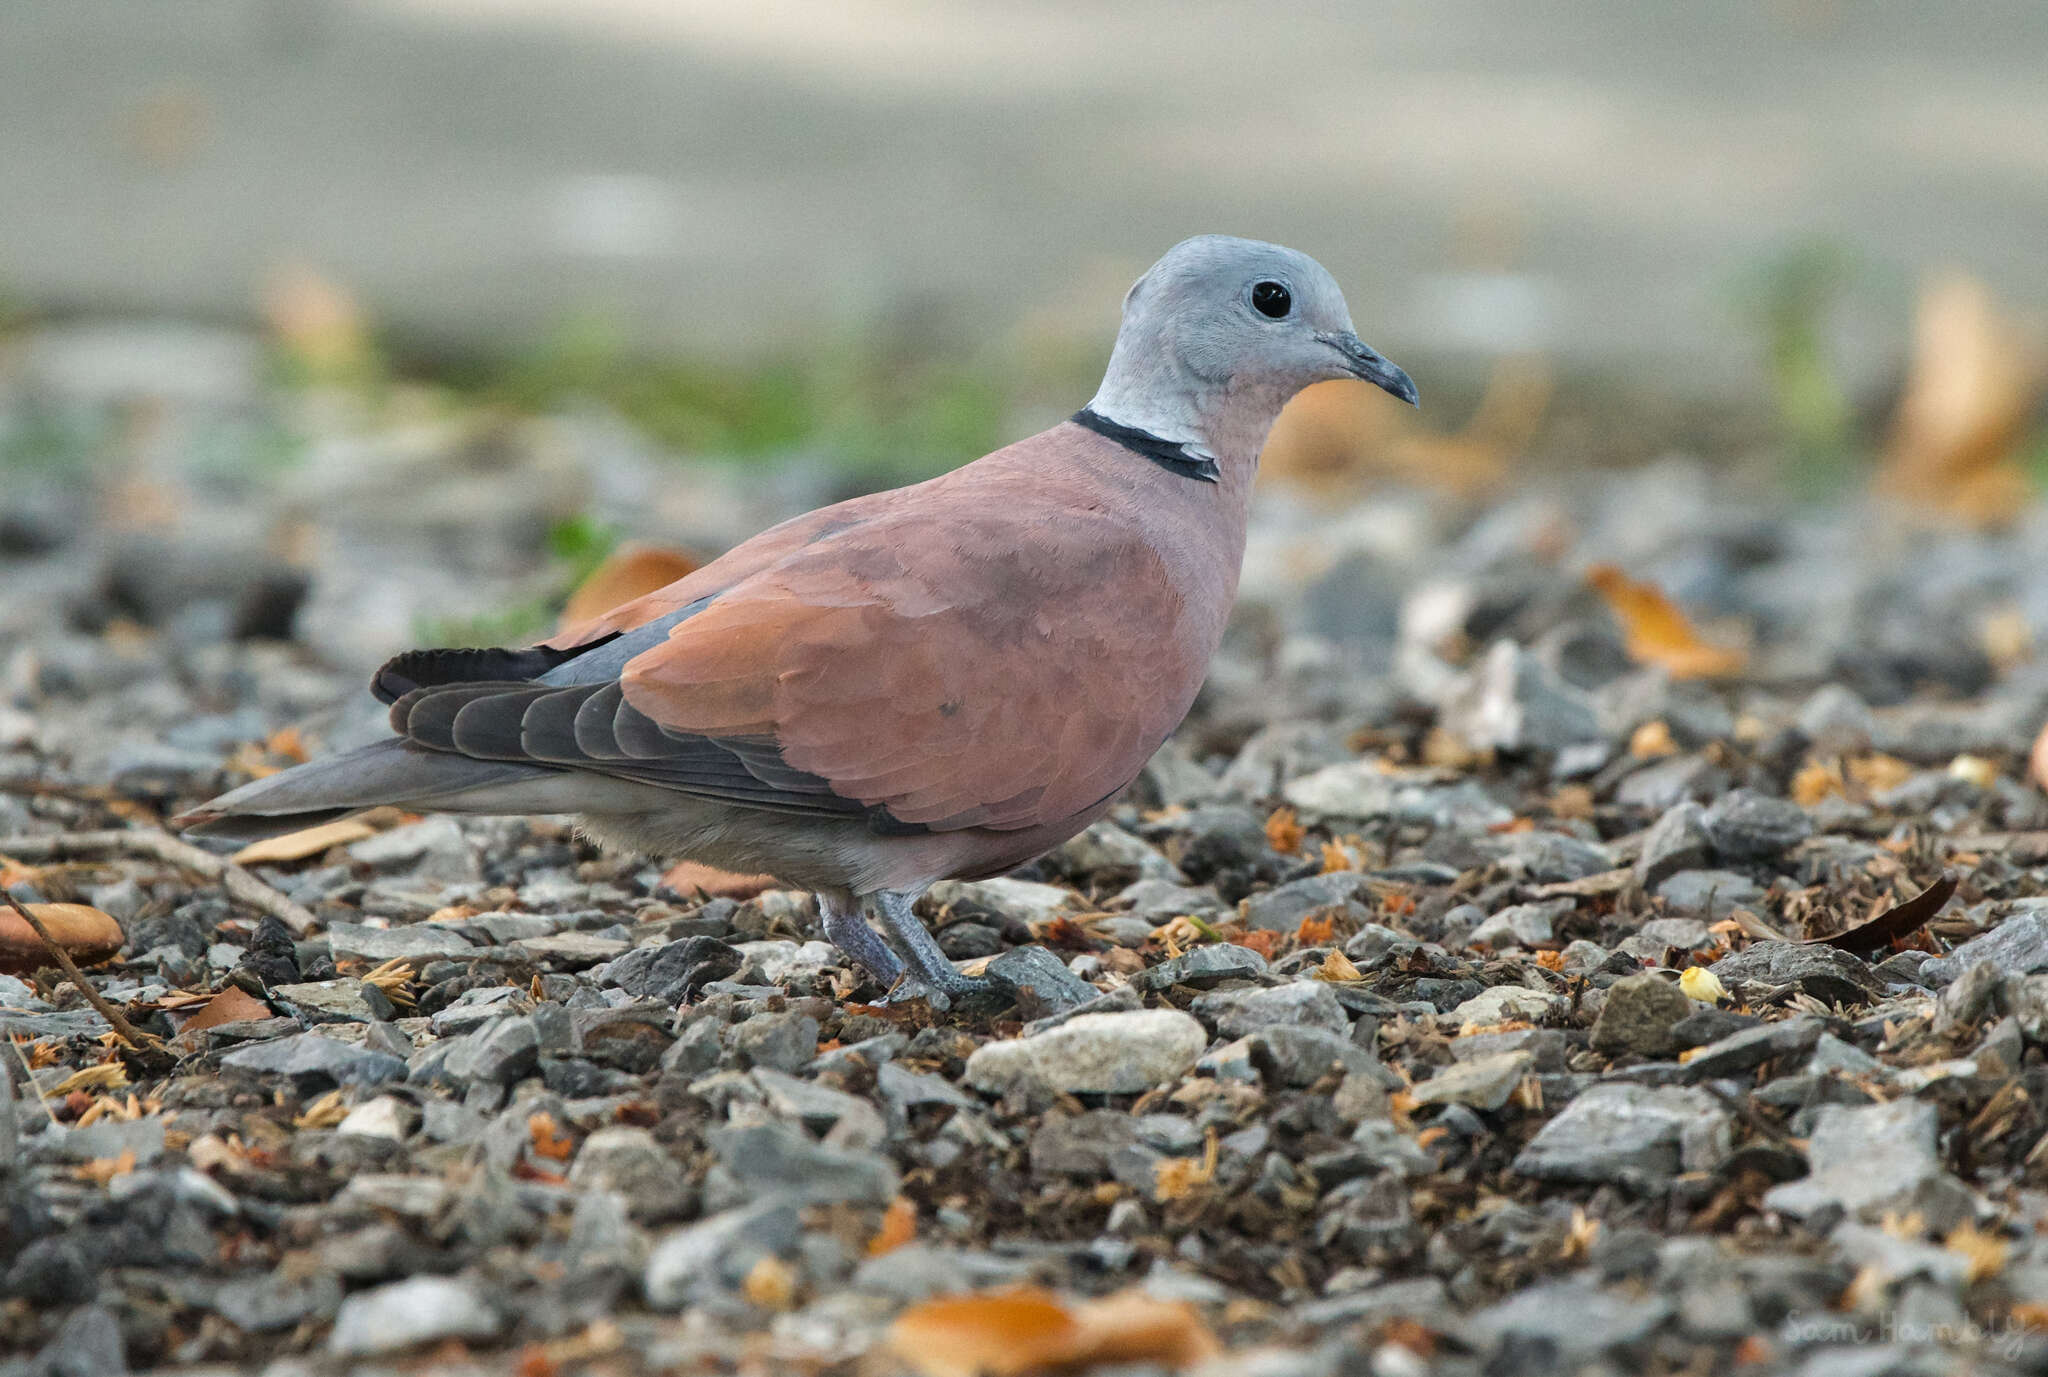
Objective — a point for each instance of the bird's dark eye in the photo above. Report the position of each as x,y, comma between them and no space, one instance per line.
1272,299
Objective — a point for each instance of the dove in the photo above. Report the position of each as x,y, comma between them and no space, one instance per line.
944,680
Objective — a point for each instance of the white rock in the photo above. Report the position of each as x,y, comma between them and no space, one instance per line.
1022,899
383,1117
407,1313
1098,1054
1504,1002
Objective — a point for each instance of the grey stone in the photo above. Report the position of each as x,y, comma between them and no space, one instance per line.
1043,979
1282,908
784,1042
1024,900
1574,1320
1634,1135
630,1162
418,942
1299,1056
332,1001
1871,1160
1361,790
776,1159
1483,1083
309,1056
1303,1003
1837,721
2018,946
1748,826
277,1300
1203,967
404,1314
1522,925
1549,857
87,1344
498,1053
1513,702
672,972
1829,974
1638,1017
1107,848
1101,1054
1502,1003
1749,1048
1676,841
1711,894
432,850
1663,785
716,1253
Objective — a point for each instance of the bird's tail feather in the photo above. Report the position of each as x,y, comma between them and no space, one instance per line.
386,772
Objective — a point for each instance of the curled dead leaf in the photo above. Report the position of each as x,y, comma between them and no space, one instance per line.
1656,632
86,935
899,1226
1027,1329
305,843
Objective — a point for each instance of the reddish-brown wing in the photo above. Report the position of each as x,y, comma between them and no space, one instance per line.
999,669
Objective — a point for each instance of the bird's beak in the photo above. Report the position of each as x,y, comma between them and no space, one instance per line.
1361,361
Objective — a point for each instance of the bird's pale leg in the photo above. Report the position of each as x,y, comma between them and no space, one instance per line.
942,985
847,930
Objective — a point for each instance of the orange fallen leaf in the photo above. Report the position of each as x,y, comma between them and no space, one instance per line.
1336,858
1315,932
1652,740
229,1006
899,1226
631,571
1284,831
304,843
1004,1333
1657,632
101,1170
770,1283
1338,969
548,1141
1261,940
1966,409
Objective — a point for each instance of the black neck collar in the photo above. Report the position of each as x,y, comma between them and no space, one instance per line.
1165,453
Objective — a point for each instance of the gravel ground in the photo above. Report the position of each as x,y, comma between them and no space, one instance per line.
1440,999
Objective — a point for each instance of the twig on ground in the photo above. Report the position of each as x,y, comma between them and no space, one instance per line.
162,846
30,1073
134,1036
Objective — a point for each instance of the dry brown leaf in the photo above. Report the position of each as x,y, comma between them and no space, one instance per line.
109,1075
1338,969
770,1283
101,1170
548,1139
899,1226
304,843
1983,1253
1176,1178
317,324
1652,740
1284,831
86,935
229,1006
631,571
1004,1333
1657,632
325,1112
1816,780
1966,409
1336,858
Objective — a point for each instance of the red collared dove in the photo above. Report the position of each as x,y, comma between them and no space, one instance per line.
944,680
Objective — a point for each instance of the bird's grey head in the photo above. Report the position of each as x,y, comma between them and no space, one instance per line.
1220,333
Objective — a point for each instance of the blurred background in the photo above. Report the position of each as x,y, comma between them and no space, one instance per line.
371,321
